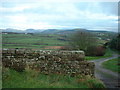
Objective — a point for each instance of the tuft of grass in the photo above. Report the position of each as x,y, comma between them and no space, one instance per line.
93,83
33,79
113,65
0,76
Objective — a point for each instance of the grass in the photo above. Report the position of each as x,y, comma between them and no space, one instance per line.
0,76
31,41
107,54
39,41
112,65
33,79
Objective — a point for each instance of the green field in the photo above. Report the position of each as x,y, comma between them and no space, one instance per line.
40,41
37,41
113,65
33,79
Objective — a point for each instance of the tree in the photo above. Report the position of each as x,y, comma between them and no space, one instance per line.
82,40
115,43
87,41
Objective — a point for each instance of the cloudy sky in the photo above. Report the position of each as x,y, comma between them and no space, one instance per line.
59,14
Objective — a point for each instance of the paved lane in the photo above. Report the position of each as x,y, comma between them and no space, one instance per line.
110,79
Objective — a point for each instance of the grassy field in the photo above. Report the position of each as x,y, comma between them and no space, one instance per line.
35,41
33,79
38,41
113,65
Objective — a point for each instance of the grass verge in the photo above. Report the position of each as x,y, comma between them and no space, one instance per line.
33,79
112,65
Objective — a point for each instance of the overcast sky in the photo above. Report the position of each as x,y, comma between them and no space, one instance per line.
59,14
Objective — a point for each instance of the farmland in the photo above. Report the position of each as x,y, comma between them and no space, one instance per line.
41,40
33,79
34,41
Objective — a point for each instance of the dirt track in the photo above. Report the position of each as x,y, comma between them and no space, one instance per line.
110,79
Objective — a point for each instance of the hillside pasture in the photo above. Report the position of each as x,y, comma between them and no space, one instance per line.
38,41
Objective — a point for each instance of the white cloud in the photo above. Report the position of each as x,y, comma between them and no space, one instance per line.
114,29
22,26
99,16
14,9
17,19
59,1
52,14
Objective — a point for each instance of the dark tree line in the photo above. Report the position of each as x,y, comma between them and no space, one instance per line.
115,43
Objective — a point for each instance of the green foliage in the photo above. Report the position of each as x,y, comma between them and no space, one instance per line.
93,82
107,54
87,42
115,43
81,40
95,51
33,79
113,65
0,76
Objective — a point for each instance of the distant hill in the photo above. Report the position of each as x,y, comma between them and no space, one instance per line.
34,30
61,31
22,31
11,30
51,31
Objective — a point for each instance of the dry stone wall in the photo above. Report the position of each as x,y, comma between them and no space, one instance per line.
60,62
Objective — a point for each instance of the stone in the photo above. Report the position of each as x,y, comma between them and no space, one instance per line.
61,62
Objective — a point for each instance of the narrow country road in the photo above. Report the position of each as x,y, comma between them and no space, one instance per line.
109,78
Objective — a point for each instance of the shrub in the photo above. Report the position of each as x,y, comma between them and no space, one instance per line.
81,40
95,51
115,43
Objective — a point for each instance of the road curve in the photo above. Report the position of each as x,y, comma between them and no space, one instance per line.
109,78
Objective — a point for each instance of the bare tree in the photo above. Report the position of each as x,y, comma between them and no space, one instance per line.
82,40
